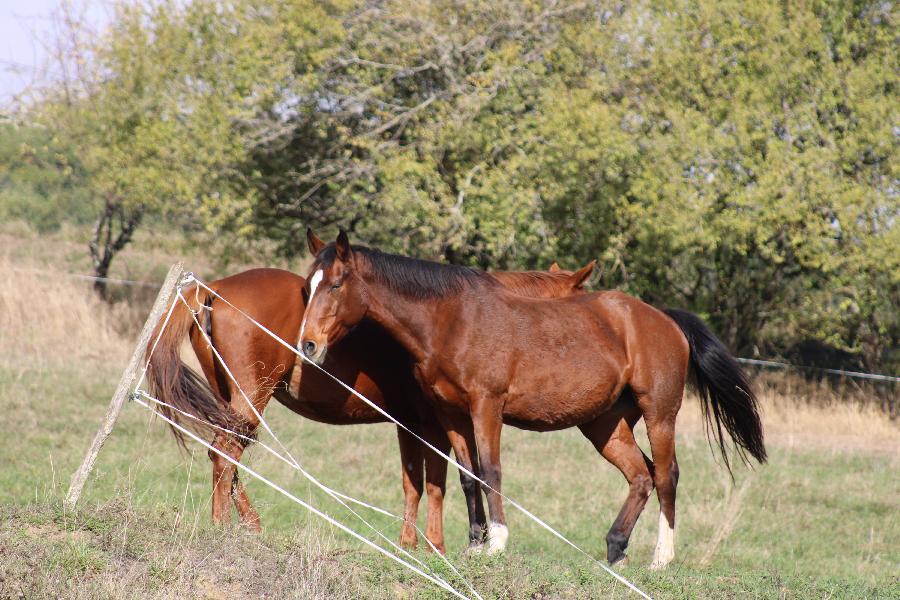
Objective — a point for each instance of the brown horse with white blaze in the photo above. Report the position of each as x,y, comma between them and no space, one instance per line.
484,356
264,368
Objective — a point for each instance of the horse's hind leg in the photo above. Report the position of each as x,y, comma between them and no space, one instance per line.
245,509
435,483
613,437
226,485
413,454
235,449
661,432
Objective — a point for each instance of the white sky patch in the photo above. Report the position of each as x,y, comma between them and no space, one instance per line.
314,282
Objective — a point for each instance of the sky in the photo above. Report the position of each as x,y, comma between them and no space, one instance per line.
23,23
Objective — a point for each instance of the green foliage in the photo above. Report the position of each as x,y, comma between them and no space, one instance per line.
40,180
738,159
165,105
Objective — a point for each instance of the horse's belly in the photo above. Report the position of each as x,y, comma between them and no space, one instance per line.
316,396
559,406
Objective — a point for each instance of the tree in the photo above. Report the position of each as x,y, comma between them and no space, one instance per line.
40,179
733,158
738,159
165,106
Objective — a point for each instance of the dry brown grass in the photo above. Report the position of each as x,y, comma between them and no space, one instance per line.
49,319
831,424
115,552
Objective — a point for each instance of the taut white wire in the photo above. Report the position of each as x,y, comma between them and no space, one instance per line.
446,457
296,465
155,342
438,582
332,492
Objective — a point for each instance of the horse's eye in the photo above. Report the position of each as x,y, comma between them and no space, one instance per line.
336,285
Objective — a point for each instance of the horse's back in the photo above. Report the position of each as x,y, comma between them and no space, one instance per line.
273,297
581,354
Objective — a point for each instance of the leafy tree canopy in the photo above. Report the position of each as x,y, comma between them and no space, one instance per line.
735,158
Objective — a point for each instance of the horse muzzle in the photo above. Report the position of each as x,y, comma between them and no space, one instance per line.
313,351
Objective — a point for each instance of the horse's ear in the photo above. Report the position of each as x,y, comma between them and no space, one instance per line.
582,274
342,247
554,268
313,241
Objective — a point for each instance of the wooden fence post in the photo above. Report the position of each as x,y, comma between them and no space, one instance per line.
128,377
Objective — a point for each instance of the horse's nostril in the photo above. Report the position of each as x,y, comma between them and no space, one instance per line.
309,348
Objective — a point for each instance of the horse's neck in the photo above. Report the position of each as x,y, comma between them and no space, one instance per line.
410,321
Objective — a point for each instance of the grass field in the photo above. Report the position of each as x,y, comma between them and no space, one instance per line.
819,521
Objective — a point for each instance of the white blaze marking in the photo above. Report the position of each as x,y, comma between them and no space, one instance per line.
665,544
314,282
498,534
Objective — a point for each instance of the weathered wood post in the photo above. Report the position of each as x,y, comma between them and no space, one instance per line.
128,377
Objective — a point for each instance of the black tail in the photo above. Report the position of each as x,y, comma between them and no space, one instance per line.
726,395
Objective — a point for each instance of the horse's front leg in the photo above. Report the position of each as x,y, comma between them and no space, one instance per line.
488,423
411,459
459,432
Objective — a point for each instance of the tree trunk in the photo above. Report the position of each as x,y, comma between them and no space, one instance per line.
113,230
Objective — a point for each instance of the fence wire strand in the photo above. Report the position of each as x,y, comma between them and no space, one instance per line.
289,458
190,278
435,580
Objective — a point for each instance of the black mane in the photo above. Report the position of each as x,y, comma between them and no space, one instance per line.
412,277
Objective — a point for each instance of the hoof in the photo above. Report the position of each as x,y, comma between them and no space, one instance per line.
658,565
475,549
622,561
497,537
253,526
407,541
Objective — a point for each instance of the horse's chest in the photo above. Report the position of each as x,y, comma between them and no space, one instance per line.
316,396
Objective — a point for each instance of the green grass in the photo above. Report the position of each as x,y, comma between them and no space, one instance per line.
817,521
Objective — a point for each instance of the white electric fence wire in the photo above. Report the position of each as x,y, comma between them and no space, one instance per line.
155,343
231,376
292,462
190,277
148,284
263,445
296,465
436,581
328,490
783,365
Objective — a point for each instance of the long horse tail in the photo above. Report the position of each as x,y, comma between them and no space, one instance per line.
726,396
181,390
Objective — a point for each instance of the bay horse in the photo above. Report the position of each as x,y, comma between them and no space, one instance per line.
484,356
263,368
